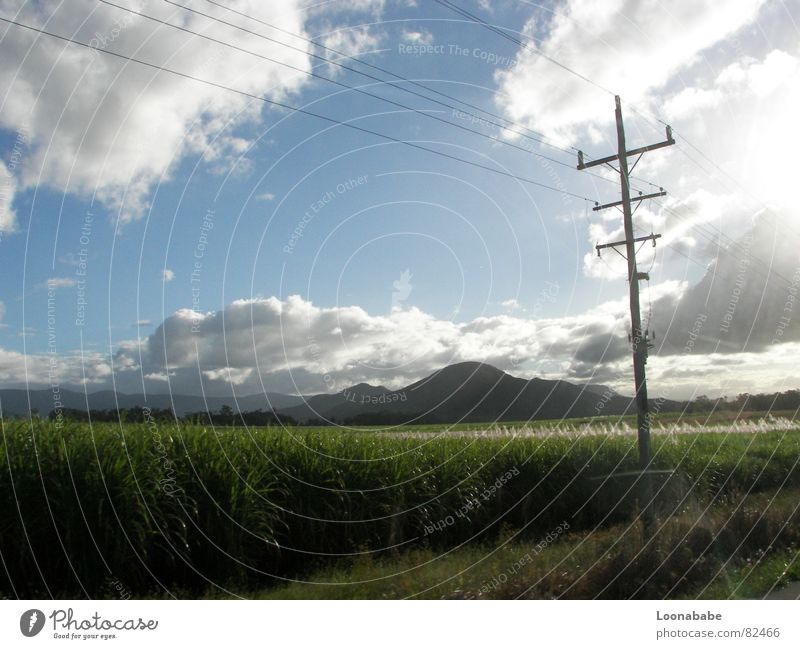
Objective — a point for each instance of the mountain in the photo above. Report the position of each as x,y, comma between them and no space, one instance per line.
15,402
464,392
468,392
347,403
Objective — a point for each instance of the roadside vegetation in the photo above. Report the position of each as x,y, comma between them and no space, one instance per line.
743,549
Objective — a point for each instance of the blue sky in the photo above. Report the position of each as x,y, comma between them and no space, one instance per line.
193,235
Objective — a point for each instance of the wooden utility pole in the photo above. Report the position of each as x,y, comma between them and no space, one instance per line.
639,338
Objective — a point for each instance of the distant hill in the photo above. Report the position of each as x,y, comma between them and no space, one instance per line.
469,392
14,402
464,392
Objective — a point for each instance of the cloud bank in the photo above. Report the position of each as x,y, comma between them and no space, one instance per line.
102,127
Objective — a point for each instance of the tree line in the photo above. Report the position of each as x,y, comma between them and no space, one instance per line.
788,400
225,416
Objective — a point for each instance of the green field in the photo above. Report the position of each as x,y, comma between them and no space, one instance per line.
158,510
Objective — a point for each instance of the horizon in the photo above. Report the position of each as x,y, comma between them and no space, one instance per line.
83,390
167,235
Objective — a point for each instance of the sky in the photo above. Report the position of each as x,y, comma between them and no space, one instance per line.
170,221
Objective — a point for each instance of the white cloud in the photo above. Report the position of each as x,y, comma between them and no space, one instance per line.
232,375
759,77
158,377
292,344
266,196
349,41
8,190
742,117
512,304
688,375
628,46
374,7
676,376
168,275
60,282
421,36
143,323
690,100
100,125
43,369
745,77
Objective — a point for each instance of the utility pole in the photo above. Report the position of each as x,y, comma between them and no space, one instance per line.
639,338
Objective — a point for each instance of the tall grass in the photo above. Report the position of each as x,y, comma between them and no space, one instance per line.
745,549
157,507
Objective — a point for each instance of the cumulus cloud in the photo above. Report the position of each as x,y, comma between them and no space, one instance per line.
682,375
732,315
742,116
628,46
373,7
168,275
8,190
746,301
101,126
294,345
350,41
690,375
418,36
60,282
18,369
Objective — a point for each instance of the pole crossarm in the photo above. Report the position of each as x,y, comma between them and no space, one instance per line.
624,242
644,197
582,164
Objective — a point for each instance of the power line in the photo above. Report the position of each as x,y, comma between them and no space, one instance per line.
517,41
341,84
386,82
644,114
717,235
539,137
373,78
295,109
477,19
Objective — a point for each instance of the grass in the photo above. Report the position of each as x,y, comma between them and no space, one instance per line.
755,577
163,509
662,418
743,550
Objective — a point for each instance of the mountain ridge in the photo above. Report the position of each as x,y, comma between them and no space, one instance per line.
468,391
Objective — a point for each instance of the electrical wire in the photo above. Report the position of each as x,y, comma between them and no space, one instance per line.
368,76
538,136
478,20
295,109
647,116
503,34
344,85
